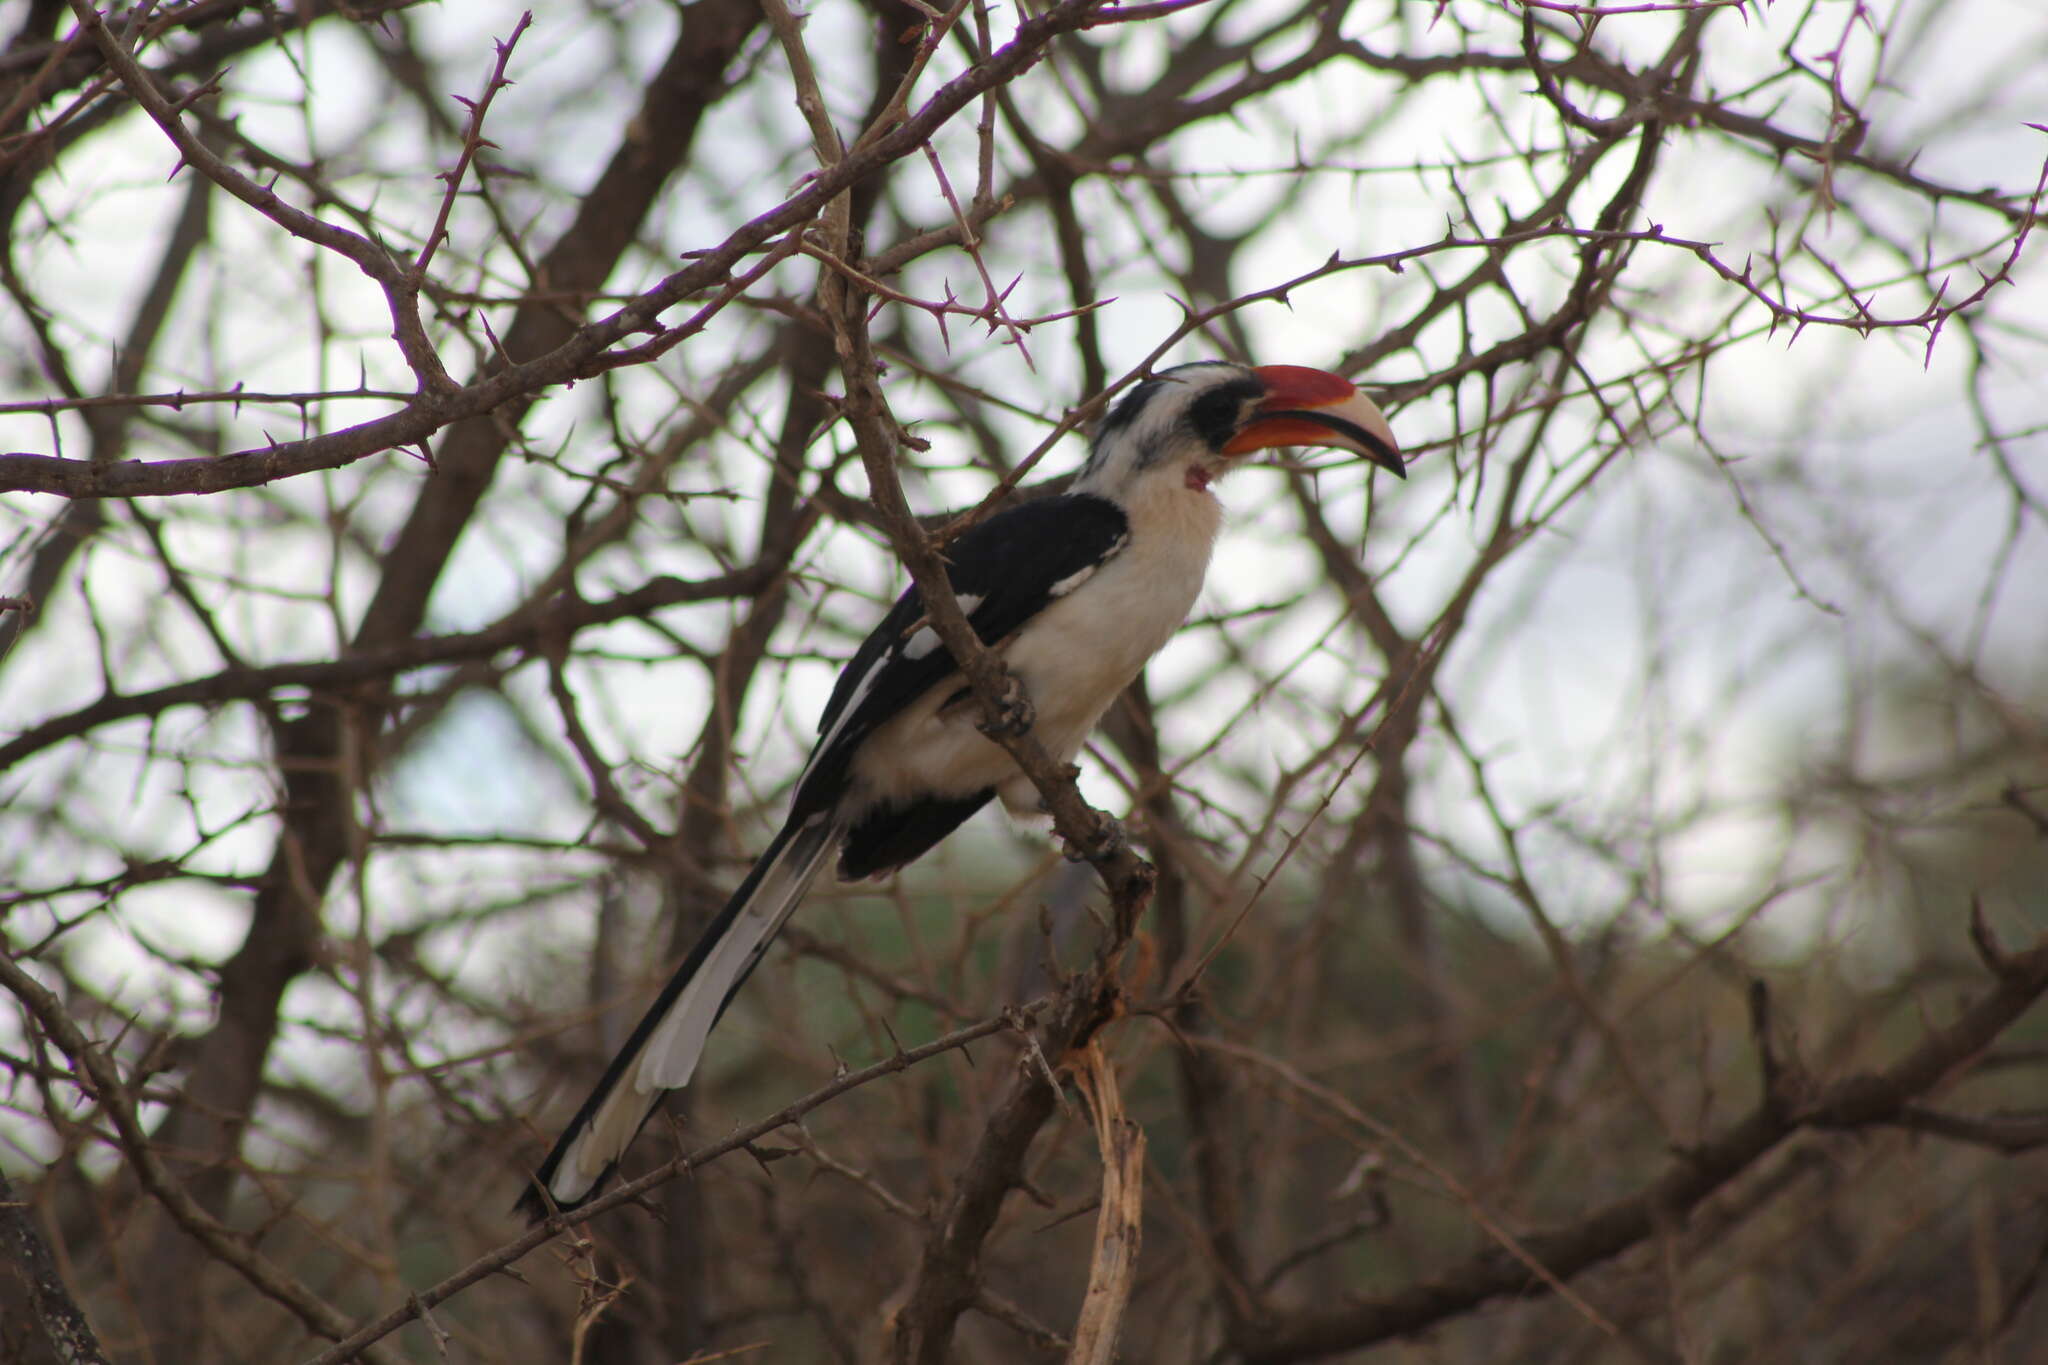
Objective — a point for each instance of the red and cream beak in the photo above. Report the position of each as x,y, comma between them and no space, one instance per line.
1307,407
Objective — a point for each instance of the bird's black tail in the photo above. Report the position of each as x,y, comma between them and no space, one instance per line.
663,1051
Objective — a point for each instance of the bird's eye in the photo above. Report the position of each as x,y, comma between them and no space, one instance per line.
1215,416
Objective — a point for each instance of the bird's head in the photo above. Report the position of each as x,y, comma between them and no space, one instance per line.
1195,423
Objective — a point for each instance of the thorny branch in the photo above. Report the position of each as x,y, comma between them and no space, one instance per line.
115,1101
1667,490
358,1343
1855,1101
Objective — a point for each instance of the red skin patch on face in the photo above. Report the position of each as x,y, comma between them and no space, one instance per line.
1198,478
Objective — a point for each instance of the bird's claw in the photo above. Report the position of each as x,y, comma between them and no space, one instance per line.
1109,838
1014,712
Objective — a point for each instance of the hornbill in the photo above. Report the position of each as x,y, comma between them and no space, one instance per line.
1075,592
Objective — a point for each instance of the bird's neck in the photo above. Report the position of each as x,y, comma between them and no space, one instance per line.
1176,507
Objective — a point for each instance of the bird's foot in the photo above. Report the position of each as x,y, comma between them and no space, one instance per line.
1014,712
1109,837
1041,806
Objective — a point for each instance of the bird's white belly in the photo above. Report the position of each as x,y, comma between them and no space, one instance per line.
1073,658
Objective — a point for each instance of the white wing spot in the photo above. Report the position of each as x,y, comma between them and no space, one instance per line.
926,639
826,738
1075,579
1071,582
861,690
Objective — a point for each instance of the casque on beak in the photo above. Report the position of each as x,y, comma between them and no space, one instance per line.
1309,407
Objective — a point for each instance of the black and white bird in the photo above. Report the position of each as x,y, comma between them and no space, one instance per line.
1075,592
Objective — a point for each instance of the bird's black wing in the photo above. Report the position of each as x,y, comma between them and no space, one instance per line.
1004,571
